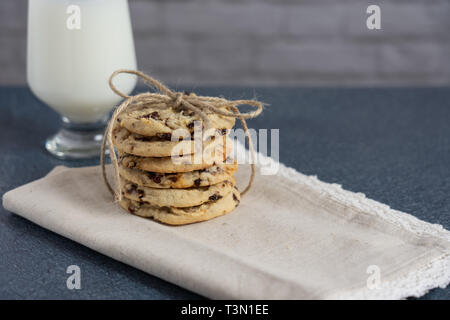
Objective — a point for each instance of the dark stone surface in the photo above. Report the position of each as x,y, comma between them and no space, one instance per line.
391,144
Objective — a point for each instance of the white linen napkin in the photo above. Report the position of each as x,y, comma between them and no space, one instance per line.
292,237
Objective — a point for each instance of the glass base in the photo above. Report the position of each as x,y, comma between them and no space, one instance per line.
77,140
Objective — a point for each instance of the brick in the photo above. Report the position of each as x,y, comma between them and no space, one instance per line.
174,78
223,18
317,57
194,79
159,52
13,15
223,55
313,20
413,58
12,60
146,16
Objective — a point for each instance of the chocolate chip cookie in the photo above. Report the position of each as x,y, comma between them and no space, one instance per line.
183,163
180,216
180,198
200,178
151,120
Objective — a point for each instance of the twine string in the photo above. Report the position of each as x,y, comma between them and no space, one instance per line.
166,98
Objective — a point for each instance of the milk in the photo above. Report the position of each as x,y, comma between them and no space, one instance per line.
69,69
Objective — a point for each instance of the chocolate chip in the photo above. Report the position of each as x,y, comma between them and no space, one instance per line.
222,131
154,115
198,182
130,188
215,197
164,136
131,209
236,200
191,125
187,93
142,138
173,179
133,189
156,178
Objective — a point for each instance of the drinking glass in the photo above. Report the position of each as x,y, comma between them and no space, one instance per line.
73,46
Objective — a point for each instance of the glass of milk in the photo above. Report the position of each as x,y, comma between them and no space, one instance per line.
73,48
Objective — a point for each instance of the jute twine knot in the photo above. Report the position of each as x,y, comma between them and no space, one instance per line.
166,98
178,99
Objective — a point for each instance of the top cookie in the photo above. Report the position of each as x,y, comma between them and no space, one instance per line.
151,121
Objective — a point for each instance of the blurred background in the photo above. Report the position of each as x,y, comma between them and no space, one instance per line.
271,42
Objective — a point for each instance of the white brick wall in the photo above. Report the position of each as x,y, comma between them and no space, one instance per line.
316,56
271,42
315,20
220,18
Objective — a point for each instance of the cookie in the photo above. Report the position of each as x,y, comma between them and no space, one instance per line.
180,216
155,146
151,120
184,163
200,178
175,197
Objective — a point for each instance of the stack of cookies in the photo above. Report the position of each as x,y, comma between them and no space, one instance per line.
177,192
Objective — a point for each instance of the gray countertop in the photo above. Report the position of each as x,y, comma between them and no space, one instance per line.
391,144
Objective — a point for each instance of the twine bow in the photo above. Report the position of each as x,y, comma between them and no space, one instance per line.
167,98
